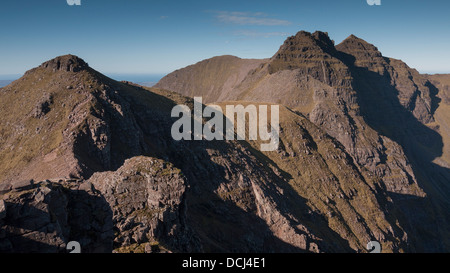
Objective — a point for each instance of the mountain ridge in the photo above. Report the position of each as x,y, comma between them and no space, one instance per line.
82,118
343,175
382,111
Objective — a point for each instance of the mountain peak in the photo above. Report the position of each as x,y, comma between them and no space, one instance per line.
301,49
353,37
323,39
69,63
304,41
354,45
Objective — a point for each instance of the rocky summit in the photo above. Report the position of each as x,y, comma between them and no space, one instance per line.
363,156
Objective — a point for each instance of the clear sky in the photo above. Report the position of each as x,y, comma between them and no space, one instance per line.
159,36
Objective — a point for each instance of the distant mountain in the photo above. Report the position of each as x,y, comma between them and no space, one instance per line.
148,80
388,117
213,79
147,84
442,117
362,157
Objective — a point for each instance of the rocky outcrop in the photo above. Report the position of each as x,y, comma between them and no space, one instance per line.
312,55
147,198
138,208
68,63
43,106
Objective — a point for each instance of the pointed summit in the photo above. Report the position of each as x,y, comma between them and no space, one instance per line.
358,48
305,41
69,63
355,51
301,49
323,40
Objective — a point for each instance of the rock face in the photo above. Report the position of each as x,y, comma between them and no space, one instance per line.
415,93
69,63
92,160
147,197
313,54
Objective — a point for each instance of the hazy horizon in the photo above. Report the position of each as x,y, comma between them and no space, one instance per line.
143,79
140,78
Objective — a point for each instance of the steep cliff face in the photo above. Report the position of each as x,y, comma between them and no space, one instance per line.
414,91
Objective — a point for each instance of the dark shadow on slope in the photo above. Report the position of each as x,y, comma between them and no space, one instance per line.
225,226
220,224
381,109
213,213
435,100
134,131
90,219
19,225
46,226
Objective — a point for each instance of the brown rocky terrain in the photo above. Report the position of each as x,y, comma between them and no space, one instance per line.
383,112
361,157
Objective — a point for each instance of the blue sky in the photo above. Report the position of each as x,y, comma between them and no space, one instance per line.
157,37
